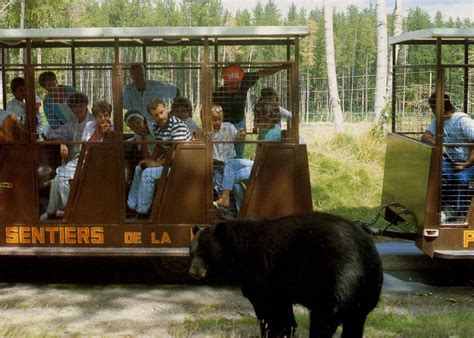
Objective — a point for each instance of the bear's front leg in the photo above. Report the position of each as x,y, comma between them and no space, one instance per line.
263,328
282,321
260,307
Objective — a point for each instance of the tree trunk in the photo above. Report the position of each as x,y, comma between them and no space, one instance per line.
366,90
198,93
343,86
381,77
307,95
22,26
190,93
91,83
398,22
334,102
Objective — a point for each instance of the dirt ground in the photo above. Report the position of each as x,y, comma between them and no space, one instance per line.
134,310
160,310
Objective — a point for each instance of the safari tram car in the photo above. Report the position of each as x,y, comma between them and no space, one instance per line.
94,158
429,175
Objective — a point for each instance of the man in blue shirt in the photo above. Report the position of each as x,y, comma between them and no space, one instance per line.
55,101
458,171
137,94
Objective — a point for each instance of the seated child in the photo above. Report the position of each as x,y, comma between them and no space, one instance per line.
221,152
16,105
183,109
139,125
267,121
270,94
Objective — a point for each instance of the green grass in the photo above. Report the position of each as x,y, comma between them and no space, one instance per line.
346,179
396,325
8,329
346,169
222,327
391,318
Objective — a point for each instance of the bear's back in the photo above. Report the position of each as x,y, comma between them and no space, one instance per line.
310,254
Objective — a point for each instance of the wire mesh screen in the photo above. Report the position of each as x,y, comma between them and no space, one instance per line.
162,107
412,111
249,110
458,136
15,101
457,192
248,104
356,94
415,108
75,109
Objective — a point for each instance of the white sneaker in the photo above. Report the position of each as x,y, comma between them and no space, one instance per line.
44,217
44,170
443,217
448,216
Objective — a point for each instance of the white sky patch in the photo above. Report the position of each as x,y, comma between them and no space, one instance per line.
449,8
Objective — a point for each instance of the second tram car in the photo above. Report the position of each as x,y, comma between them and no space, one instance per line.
421,177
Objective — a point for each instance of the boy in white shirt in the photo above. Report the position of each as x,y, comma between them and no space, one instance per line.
16,106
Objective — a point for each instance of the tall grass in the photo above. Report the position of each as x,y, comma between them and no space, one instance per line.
346,169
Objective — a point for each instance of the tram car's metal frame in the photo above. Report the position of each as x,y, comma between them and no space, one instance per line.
101,229
412,174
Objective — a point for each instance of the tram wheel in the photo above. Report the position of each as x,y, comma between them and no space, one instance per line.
172,268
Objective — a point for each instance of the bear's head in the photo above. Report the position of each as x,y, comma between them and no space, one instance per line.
207,250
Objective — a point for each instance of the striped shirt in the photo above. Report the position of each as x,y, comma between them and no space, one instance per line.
176,130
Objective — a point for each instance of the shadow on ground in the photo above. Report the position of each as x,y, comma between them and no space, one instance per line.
96,270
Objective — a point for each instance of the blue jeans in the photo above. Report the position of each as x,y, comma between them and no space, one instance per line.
457,190
239,147
235,170
142,190
218,174
238,192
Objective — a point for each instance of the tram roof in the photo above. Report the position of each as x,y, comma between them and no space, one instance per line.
139,36
429,36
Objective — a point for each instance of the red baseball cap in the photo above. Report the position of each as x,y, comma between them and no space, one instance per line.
233,73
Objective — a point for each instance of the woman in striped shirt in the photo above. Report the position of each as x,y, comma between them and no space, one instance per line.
164,128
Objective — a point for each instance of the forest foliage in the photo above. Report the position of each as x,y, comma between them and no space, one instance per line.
354,28
354,36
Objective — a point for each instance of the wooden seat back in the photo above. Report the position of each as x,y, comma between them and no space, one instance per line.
279,183
17,184
94,197
181,190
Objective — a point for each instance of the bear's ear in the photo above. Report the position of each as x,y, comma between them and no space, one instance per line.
195,230
220,232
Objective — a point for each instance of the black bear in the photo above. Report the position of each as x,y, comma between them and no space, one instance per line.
318,260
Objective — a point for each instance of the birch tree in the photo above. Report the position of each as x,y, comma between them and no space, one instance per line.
397,30
4,6
22,26
381,74
334,102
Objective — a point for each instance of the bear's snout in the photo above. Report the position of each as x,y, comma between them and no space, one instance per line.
198,268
